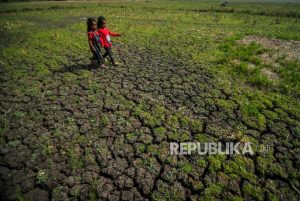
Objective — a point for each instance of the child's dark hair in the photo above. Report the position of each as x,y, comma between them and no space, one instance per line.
100,21
89,23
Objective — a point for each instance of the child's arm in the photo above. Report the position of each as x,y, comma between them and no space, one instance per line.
90,38
114,34
92,46
101,41
100,38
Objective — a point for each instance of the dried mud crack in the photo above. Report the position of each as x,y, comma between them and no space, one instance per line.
106,137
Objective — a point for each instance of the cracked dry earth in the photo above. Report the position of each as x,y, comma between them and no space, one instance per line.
104,135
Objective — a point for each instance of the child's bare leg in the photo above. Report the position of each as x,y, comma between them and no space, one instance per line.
100,59
110,54
105,54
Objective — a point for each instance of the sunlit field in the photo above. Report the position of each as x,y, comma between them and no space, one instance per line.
190,71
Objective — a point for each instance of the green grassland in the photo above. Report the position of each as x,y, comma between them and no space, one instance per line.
190,71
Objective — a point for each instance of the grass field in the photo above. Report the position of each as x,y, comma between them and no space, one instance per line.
191,71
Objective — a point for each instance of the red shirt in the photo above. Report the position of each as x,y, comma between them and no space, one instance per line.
105,34
91,37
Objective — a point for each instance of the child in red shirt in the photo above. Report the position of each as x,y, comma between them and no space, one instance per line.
105,34
94,41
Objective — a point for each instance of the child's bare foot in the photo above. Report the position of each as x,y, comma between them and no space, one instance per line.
103,66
